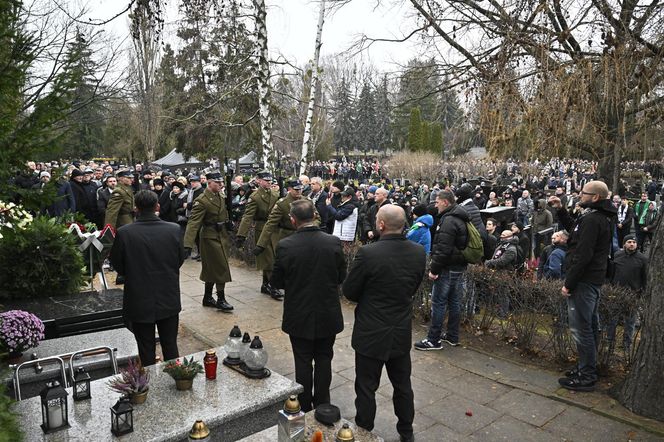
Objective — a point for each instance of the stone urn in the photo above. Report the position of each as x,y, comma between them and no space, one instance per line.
139,398
184,384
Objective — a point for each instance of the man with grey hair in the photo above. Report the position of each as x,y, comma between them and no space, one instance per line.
383,280
381,199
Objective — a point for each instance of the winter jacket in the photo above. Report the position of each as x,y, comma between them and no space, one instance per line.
640,208
525,206
649,219
475,217
630,270
451,237
551,262
589,243
420,233
506,255
542,219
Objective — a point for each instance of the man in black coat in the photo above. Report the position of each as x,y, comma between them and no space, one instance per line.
149,254
585,271
383,279
310,265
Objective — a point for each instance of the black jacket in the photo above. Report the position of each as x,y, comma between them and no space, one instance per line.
630,270
451,237
589,244
383,279
505,256
310,265
321,206
149,254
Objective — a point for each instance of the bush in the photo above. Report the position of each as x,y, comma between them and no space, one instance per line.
9,428
38,261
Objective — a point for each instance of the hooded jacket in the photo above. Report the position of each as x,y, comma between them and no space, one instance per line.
542,218
451,237
506,255
419,232
589,244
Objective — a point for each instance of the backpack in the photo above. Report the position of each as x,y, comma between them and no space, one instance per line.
474,250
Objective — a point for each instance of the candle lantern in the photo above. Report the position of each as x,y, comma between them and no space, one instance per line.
55,415
81,383
122,417
246,342
199,432
255,358
291,421
233,346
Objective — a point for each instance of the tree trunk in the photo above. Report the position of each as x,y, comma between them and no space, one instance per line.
312,92
263,81
643,390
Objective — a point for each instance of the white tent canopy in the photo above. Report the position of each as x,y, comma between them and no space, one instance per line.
176,159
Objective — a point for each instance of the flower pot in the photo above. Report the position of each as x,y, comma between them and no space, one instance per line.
139,398
184,384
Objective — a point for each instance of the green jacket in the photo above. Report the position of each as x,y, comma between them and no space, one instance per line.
120,208
278,225
258,209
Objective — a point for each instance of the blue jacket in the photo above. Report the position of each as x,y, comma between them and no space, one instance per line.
420,232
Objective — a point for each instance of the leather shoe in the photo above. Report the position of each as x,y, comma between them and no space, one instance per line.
276,294
577,384
209,301
266,289
223,305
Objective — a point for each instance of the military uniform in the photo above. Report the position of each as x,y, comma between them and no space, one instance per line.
120,208
261,202
208,215
278,225
208,219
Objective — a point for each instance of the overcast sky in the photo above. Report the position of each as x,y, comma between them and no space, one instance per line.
292,28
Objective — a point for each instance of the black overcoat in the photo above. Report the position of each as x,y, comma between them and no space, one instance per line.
149,254
310,266
383,280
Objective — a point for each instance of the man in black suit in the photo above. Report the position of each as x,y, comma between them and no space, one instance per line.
149,254
383,280
310,265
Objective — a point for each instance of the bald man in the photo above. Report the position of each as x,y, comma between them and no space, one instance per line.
589,247
383,280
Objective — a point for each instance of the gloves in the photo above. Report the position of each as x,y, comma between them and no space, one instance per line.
239,241
258,250
229,225
187,251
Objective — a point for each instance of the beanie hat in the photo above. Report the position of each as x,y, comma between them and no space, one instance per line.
420,210
628,238
339,185
464,192
372,189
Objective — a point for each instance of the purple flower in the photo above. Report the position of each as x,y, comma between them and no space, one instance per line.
19,331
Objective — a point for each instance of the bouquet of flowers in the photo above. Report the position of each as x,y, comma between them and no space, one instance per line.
13,217
134,379
19,331
185,369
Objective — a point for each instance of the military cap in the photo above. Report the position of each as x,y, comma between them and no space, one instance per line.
127,173
264,175
194,178
76,172
295,184
214,176
88,170
348,191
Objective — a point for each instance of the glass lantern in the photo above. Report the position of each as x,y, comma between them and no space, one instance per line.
55,415
233,346
255,358
246,342
81,385
122,417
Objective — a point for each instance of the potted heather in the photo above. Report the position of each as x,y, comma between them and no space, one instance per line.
183,372
132,382
19,331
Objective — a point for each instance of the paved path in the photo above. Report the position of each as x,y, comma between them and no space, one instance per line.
508,401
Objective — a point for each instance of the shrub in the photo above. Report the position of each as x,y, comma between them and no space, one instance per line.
9,427
38,261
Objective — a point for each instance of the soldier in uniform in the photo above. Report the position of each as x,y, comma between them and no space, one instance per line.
120,208
278,226
209,219
257,211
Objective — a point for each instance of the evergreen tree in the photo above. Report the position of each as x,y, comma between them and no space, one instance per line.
383,116
343,117
365,120
436,140
415,130
426,135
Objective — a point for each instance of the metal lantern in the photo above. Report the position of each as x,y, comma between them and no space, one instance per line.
55,414
199,432
256,357
233,346
81,386
122,417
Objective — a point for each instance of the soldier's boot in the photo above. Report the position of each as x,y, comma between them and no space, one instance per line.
222,304
208,300
276,294
266,288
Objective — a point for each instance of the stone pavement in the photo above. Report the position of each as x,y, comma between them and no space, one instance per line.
508,401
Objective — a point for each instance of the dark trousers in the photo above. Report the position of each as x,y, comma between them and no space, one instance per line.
315,380
367,380
582,310
145,339
622,233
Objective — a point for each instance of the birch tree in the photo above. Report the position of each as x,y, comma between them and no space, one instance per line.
313,88
263,83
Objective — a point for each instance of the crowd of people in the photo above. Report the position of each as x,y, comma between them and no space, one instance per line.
554,217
